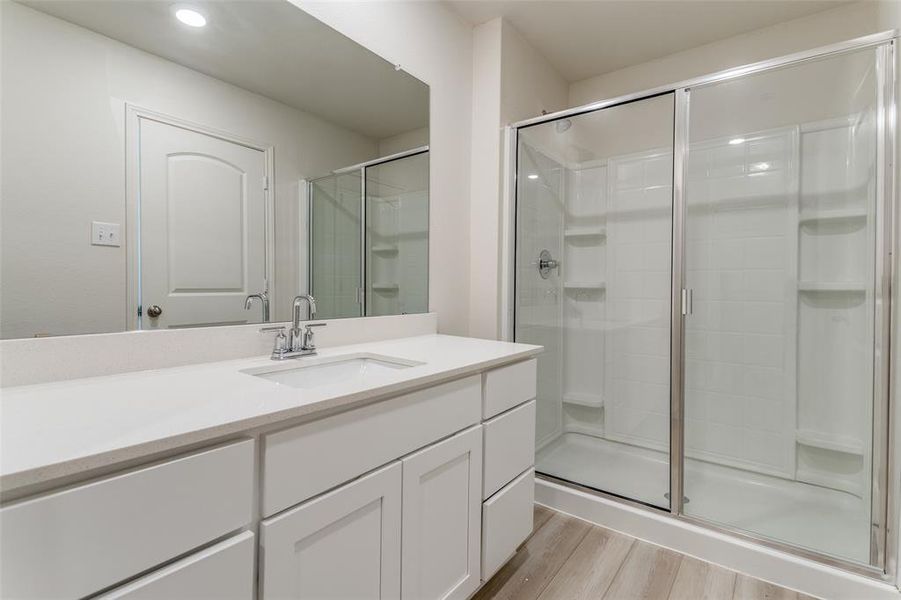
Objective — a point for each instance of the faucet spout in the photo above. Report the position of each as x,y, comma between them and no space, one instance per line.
295,335
263,297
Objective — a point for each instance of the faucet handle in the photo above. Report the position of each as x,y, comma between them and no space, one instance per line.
280,346
307,342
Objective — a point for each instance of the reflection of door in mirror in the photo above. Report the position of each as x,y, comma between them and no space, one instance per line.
202,227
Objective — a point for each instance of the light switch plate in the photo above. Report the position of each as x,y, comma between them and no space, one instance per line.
105,234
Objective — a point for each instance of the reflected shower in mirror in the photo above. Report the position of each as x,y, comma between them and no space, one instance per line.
162,173
388,275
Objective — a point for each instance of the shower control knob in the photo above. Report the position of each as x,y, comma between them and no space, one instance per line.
153,311
546,263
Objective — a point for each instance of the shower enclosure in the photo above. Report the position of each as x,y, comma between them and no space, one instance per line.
707,268
369,237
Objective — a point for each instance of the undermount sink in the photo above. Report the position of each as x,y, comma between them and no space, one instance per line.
353,369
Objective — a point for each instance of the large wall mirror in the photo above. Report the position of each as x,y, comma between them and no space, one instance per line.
169,164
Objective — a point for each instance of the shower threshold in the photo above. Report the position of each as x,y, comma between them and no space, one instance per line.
817,518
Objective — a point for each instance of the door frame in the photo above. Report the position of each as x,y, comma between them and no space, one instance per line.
132,141
886,452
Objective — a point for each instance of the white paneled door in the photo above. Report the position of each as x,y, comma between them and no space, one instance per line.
202,227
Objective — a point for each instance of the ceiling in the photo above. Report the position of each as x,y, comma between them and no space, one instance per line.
586,38
269,47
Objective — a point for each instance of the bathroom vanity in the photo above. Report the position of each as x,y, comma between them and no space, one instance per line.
401,468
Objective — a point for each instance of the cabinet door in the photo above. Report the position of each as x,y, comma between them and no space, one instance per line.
442,520
343,544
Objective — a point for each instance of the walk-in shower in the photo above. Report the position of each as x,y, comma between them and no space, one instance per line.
707,269
369,237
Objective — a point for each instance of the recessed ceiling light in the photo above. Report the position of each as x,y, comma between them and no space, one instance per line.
190,17
533,176
736,141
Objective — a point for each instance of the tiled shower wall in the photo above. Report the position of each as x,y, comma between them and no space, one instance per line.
638,291
741,257
745,243
584,306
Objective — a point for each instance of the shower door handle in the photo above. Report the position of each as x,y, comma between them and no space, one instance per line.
687,301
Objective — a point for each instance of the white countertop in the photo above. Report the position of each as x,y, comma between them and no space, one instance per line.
54,430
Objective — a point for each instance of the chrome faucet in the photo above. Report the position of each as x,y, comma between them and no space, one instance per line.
294,342
263,297
296,339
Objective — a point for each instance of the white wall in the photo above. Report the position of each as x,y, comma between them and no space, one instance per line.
511,82
404,141
485,177
827,27
65,166
435,45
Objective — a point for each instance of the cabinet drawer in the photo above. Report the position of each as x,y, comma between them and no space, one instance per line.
509,447
309,459
506,387
78,541
506,522
221,572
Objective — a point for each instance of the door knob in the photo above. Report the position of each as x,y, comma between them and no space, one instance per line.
153,311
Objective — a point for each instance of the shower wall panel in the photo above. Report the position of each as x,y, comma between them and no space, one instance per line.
584,299
639,230
741,264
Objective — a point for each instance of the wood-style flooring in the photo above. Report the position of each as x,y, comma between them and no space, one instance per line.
569,559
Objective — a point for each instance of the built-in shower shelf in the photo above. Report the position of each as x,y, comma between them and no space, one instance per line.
834,286
583,399
584,285
585,232
825,441
384,249
847,214
385,287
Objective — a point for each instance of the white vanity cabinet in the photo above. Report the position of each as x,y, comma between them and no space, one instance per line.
508,413
83,539
414,528
419,496
343,544
410,529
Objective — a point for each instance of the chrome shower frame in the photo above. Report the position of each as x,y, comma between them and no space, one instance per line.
885,481
361,167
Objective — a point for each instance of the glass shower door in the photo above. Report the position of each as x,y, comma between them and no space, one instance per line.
397,236
593,286
780,255
336,267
